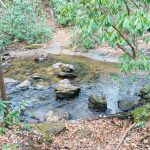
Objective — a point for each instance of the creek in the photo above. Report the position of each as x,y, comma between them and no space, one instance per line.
93,77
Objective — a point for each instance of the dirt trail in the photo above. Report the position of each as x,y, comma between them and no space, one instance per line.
59,44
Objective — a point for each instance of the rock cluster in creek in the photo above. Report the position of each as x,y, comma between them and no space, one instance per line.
65,89
64,70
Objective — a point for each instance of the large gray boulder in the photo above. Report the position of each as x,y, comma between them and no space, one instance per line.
126,105
97,102
65,89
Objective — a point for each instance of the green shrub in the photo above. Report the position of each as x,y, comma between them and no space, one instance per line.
62,9
13,117
23,20
141,114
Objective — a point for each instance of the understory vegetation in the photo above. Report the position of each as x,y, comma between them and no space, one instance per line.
23,21
119,23
14,114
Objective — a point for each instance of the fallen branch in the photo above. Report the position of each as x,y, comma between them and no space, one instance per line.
125,134
122,115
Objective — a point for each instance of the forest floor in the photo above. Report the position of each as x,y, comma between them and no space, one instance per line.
96,134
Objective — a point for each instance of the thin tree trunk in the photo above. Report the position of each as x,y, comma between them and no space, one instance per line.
2,87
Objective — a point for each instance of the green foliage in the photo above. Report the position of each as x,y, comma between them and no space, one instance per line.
23,20
127,63
116,22
13,117
64,11
141,114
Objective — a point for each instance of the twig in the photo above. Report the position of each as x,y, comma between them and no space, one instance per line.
124,135
128,9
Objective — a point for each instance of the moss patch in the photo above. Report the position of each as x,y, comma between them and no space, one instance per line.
141,113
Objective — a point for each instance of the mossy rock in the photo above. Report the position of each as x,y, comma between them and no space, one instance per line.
145,94
51,128
33,46
141,113
145,90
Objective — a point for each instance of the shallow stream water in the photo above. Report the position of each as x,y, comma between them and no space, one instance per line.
93,77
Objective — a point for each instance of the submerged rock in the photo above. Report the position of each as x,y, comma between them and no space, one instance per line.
65,89
126,105
97,102
66,75
24,85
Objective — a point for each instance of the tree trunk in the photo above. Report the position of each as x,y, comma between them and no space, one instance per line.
2,87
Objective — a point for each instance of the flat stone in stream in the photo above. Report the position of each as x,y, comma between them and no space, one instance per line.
65,89
52,128
98,103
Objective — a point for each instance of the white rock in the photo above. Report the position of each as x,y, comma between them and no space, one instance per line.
50,116
24,85
57,65
9,80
